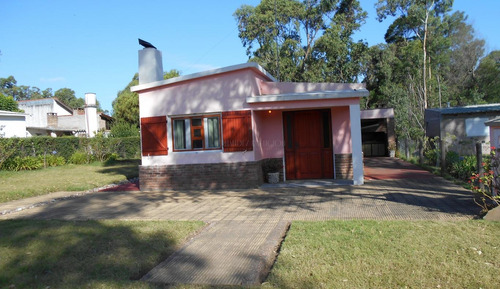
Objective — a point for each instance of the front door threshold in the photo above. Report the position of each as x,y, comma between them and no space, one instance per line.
315,183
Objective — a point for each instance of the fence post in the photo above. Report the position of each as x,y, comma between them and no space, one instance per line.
443,156
479,162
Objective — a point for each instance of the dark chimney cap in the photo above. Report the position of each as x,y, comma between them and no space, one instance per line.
146,44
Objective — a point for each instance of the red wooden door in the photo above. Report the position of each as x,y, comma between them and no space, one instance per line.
307,144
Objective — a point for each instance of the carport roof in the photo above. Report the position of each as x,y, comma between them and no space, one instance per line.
495,107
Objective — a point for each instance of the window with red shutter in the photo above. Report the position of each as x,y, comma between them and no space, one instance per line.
237,131
154,136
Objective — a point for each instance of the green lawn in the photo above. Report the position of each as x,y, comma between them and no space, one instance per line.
331,254
85,254
389,254
24,184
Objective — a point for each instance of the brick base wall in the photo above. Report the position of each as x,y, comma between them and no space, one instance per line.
343,167
201,176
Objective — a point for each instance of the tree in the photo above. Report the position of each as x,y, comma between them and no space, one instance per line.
416,20
126,104
304,41
488,76
8,103
67,96
464,54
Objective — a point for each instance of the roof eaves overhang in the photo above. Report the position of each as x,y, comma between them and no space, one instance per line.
318,95
249,65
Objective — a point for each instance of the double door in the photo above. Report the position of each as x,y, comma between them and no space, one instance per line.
308,144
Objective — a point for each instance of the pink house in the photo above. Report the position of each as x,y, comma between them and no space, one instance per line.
216,128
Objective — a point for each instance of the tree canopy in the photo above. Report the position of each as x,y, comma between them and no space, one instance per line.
304,41
9,87
8,103
126,104
488,77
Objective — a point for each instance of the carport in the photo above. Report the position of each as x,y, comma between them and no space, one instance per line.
377,131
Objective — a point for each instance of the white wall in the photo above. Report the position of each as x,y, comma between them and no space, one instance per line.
12,126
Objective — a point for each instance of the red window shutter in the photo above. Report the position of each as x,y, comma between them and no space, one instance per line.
154,136
237,131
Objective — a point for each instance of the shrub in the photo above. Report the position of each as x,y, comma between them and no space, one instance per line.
451,158
128,147
485,185
7,149
432,151
21,164
80,158
123,129
464,168
53,160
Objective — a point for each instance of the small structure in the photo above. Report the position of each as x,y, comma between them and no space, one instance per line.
494,127
49,116
214,129
461,127
12,124
378,131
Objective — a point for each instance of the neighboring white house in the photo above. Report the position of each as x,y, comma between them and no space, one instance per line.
49,116
12,124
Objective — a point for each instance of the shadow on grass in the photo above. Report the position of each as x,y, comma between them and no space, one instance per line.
128,168
70,254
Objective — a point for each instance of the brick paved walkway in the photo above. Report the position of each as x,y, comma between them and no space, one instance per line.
246,225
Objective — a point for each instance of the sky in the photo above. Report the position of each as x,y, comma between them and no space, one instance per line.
92,46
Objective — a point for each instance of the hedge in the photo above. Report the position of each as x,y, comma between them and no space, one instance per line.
99,147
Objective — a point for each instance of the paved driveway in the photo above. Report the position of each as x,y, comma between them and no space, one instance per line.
410,194
246,226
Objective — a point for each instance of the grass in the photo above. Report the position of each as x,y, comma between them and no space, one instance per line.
85,254
389,254
330,254
25,184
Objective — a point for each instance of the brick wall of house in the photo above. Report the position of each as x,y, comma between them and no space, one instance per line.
343,167
242,175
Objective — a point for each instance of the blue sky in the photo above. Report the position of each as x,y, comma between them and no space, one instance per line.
91,46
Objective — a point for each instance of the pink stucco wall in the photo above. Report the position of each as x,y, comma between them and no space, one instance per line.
216,93
495,136
228,92
268,131
341,130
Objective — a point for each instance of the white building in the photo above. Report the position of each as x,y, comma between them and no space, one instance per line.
12,124
49,116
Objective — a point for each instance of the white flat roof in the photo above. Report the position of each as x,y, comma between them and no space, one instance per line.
315,95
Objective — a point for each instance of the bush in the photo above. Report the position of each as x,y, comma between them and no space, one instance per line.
432,151
53,160
80,158
464,168
21,164
58,151
129,147
451,158
123,129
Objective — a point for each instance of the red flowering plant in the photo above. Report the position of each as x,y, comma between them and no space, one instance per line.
487,184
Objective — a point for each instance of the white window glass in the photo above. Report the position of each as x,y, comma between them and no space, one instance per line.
476,127
212,132
182,134
179,134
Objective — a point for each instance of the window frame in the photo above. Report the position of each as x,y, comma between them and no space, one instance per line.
204,132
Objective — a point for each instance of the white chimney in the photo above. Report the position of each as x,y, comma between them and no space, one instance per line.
91,124
150,65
